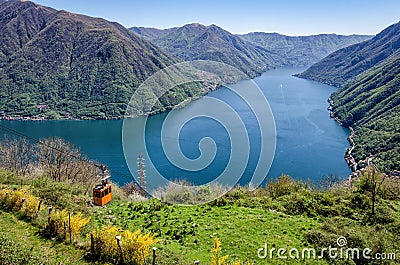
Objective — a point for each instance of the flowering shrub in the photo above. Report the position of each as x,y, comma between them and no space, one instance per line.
77,223
104,243
30,207
19,200
134,246
216,260
57,219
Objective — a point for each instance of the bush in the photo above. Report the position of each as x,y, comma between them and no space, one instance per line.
359,201
296,204
391,188
58,224
284,185
183,192
9,178
378,238
383,215
135,247
104,244
11,199
77,223
19,200
55,225
61,195
30,207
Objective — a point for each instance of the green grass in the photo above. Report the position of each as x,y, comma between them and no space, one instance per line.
45,250
286,214
189,231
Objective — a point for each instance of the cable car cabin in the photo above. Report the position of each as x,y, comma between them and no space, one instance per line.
102,192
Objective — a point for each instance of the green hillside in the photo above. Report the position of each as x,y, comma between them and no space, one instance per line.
199,42
371,105
285,214
59,64
46,209
345,64
302,51
368,99
278,50
151,33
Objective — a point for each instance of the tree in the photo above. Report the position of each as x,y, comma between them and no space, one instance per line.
16,155
63,162
371,181
329,182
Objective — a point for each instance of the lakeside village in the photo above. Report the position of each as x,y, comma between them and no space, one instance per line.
43,116
39,117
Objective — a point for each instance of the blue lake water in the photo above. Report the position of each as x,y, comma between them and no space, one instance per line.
309,144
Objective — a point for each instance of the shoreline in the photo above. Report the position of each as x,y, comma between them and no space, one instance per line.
184,103
348,156
346,151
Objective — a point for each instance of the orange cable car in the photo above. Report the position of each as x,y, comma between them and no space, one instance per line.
102,193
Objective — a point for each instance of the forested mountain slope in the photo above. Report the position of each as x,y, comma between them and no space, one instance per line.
151,33
199,42
369,96
61,64
302,50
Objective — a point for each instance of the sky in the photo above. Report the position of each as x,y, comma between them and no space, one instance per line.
289,17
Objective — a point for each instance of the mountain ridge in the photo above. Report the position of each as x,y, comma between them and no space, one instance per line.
302,51
151,33
368,100
58,64
198,42
282,50
364,56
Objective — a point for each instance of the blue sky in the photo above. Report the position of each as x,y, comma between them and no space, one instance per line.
290,17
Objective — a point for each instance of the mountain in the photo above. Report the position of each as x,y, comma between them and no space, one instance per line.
59,64
270,49
151,33
347,63
302,50
199,42
369,96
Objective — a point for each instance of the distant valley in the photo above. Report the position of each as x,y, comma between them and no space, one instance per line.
252,53
302,51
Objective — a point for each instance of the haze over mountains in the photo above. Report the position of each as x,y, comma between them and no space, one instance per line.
368,100
302,50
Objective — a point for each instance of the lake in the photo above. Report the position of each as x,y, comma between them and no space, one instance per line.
309,145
